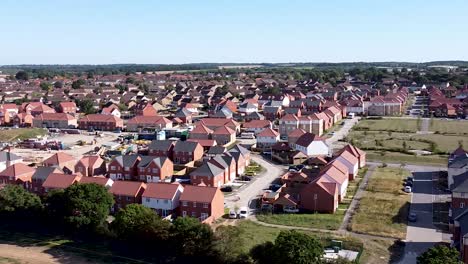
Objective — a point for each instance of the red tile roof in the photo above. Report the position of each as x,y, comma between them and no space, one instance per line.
200,194
58,158
127,188
60,180
268,132
161,190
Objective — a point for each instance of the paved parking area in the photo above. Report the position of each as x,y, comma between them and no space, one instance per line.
422,234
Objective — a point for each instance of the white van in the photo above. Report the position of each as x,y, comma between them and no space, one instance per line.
243,212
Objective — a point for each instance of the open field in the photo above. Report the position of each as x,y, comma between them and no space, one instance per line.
384,207
389,124
445,143
20,133
313,220
375,250
456,127
396,157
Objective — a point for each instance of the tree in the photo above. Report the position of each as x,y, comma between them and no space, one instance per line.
191,238
22,76
86,106
77,84
16,200
294,247
439,255
45,86
228,243
82,206
289,247
58,84
139,223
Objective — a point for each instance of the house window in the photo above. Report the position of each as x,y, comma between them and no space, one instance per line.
155,170
127,168
148,200
128,198
184,203
142,169
112,167
462,205
166,201
205,205
142,177
194,204
194,214
204,216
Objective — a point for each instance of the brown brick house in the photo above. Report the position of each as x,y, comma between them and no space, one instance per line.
100,122
202,202
124,167
187,151
155,169
54,120
18,173
67,107
126,192
90,166
57,181
148,122
61,160
38,178
208,174
224,135
161,148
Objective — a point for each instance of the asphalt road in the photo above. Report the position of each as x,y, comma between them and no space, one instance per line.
255,188
341,133
422,234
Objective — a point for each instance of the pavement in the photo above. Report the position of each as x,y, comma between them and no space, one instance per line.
422,234
341,133
252,190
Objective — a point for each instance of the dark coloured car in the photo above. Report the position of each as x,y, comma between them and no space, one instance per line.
412,217
246,178
409,178
226,189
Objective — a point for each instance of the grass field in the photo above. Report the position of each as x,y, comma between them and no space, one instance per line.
384,207
20,133
322,221
389,124
395,157
446,143
456,127
375,250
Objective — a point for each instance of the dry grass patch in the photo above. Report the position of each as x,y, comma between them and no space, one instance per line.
389,124
384,207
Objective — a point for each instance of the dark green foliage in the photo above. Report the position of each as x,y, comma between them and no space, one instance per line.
86,106
78,83
439,255
289,247
14,199
140,224
190,237
22,76
82,206
58,84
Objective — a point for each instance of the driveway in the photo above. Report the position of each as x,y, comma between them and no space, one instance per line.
250,191
342,132
422,234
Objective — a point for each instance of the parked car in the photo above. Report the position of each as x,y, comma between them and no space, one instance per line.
226,189
408,189
300,167
274,187
243,212
232,214
409,183
412,217
246,178
409,178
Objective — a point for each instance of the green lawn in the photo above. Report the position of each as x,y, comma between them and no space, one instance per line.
375,250
313,220
456,127
21,133
389,124
446,143
384,207
395,157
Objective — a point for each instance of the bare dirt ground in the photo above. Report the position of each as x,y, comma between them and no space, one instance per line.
37,255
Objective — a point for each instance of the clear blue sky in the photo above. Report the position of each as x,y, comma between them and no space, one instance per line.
138,31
